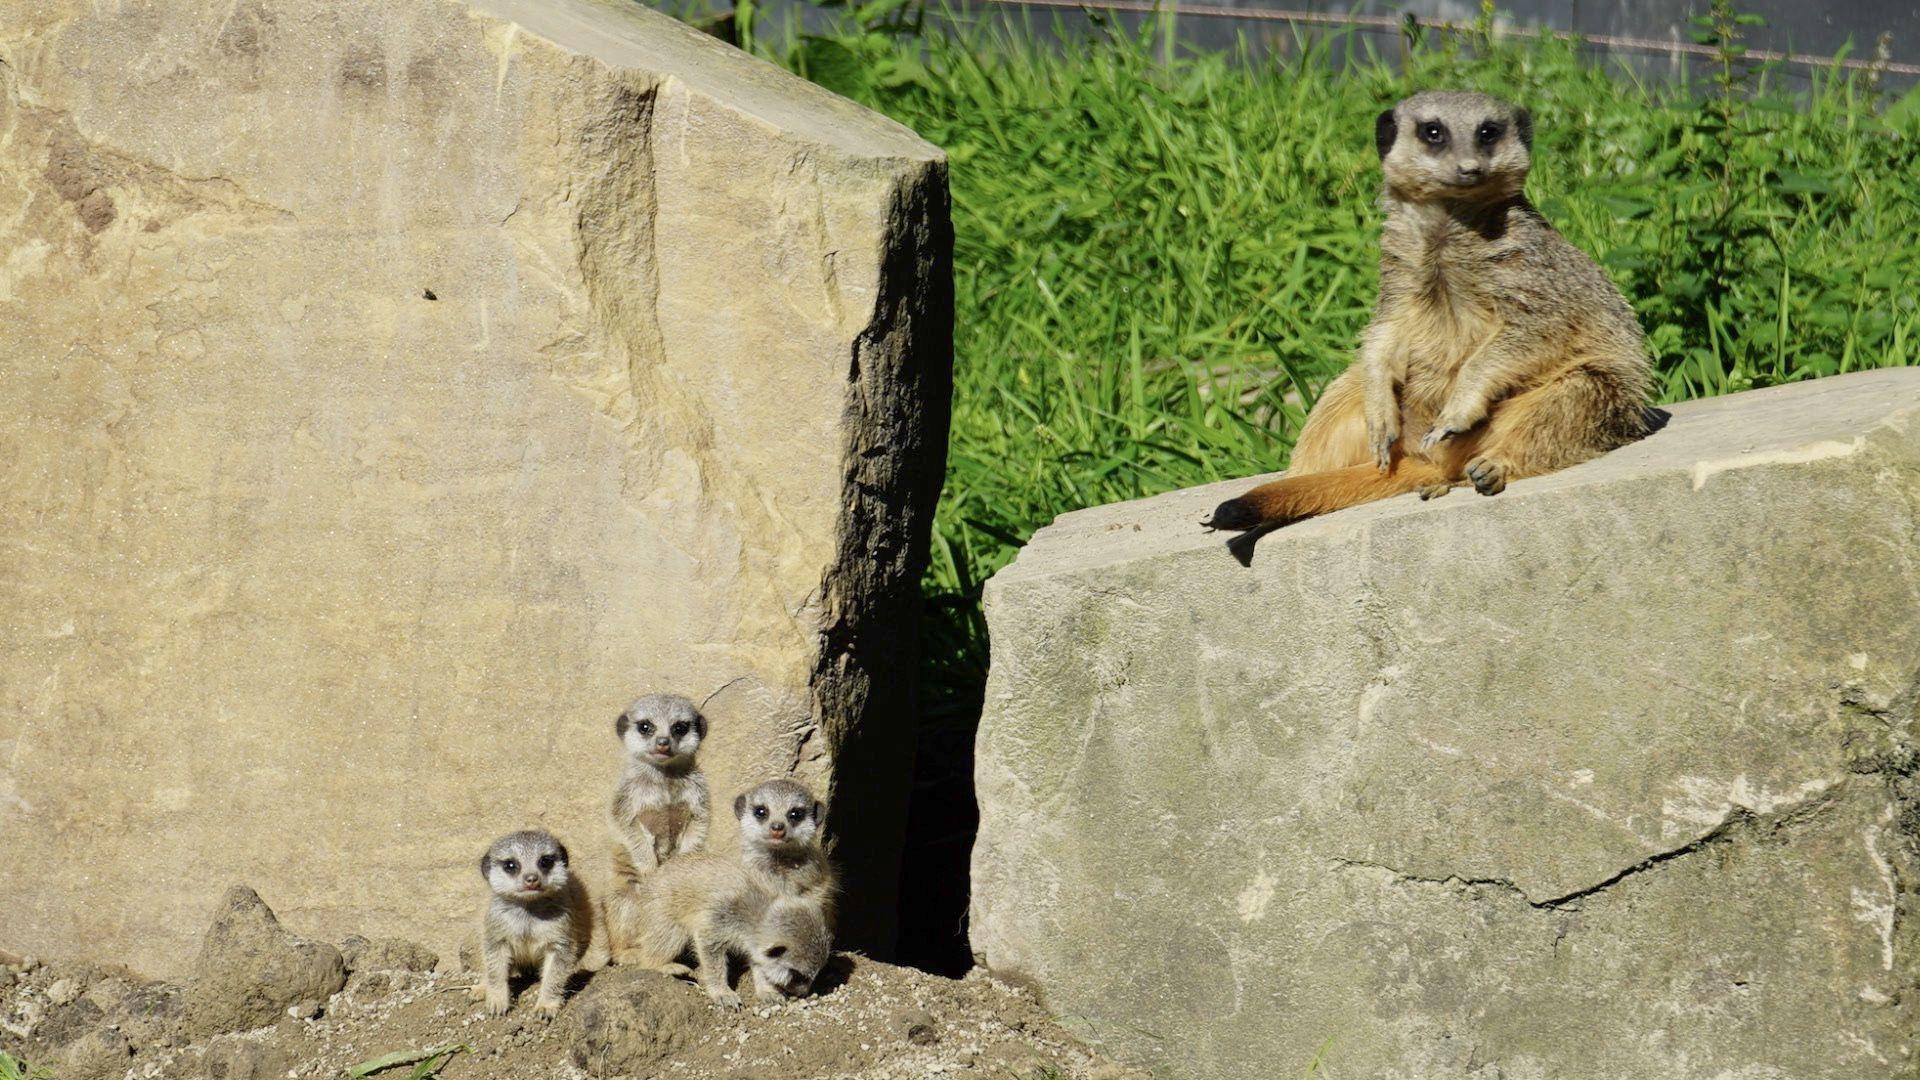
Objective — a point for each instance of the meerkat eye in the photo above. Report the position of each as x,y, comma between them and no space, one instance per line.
546,863
776,952
1489,133
511,866
759,813
644,727
1433,133
795,815
680,729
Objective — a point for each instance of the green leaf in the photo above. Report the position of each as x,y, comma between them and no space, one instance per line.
430,1061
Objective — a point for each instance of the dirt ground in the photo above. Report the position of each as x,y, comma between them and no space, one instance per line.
868,1019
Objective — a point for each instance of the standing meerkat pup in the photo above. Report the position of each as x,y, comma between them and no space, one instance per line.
721,908
538,917
660,807
780,824
1497,349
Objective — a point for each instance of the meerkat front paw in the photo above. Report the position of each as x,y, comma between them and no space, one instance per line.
477,992
498,1002
1380,441
1488,477
726,999
547,1006
1434,491
1436,435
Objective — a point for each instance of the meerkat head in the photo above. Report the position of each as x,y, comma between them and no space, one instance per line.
779,814
661,729
1456,146
525,866
791,945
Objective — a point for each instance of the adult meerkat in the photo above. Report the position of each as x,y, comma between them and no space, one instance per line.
721,908
1497,350
660,807
537,917
780,823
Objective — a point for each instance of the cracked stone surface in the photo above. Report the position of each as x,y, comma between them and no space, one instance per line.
1611,775
395,390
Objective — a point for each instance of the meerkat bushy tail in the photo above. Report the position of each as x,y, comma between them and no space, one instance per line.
1294,498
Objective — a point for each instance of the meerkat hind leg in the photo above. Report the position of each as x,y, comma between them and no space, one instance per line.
1335,434
1552,426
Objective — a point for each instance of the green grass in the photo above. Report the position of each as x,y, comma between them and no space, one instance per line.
1159,264
12,1068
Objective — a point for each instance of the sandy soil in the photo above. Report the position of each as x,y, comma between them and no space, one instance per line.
868,1020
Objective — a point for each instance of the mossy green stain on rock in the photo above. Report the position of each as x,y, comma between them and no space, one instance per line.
1599,777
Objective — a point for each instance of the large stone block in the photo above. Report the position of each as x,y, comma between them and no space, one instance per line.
394,388
1612,775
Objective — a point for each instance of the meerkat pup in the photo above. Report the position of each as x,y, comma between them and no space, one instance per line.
538,917
721,908
660,807
780,824
1497,350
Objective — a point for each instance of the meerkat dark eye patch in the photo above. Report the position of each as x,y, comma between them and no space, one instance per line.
796,815
760,813
1433,133
644,727
1385,127
1489,133
546,863
680,729
776,952
511,866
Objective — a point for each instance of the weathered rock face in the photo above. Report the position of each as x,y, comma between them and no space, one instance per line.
1612,775
393,391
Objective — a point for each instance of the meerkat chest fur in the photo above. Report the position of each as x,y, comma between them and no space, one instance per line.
1441,294
529,931
662,802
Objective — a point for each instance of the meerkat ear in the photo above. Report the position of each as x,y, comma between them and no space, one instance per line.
560,852
1523,123
740,805
1385,127
620,725
486,864
700,725
817,811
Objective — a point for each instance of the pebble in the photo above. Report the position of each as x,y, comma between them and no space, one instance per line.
63,992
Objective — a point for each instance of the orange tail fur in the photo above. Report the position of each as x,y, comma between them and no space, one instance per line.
1292,498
